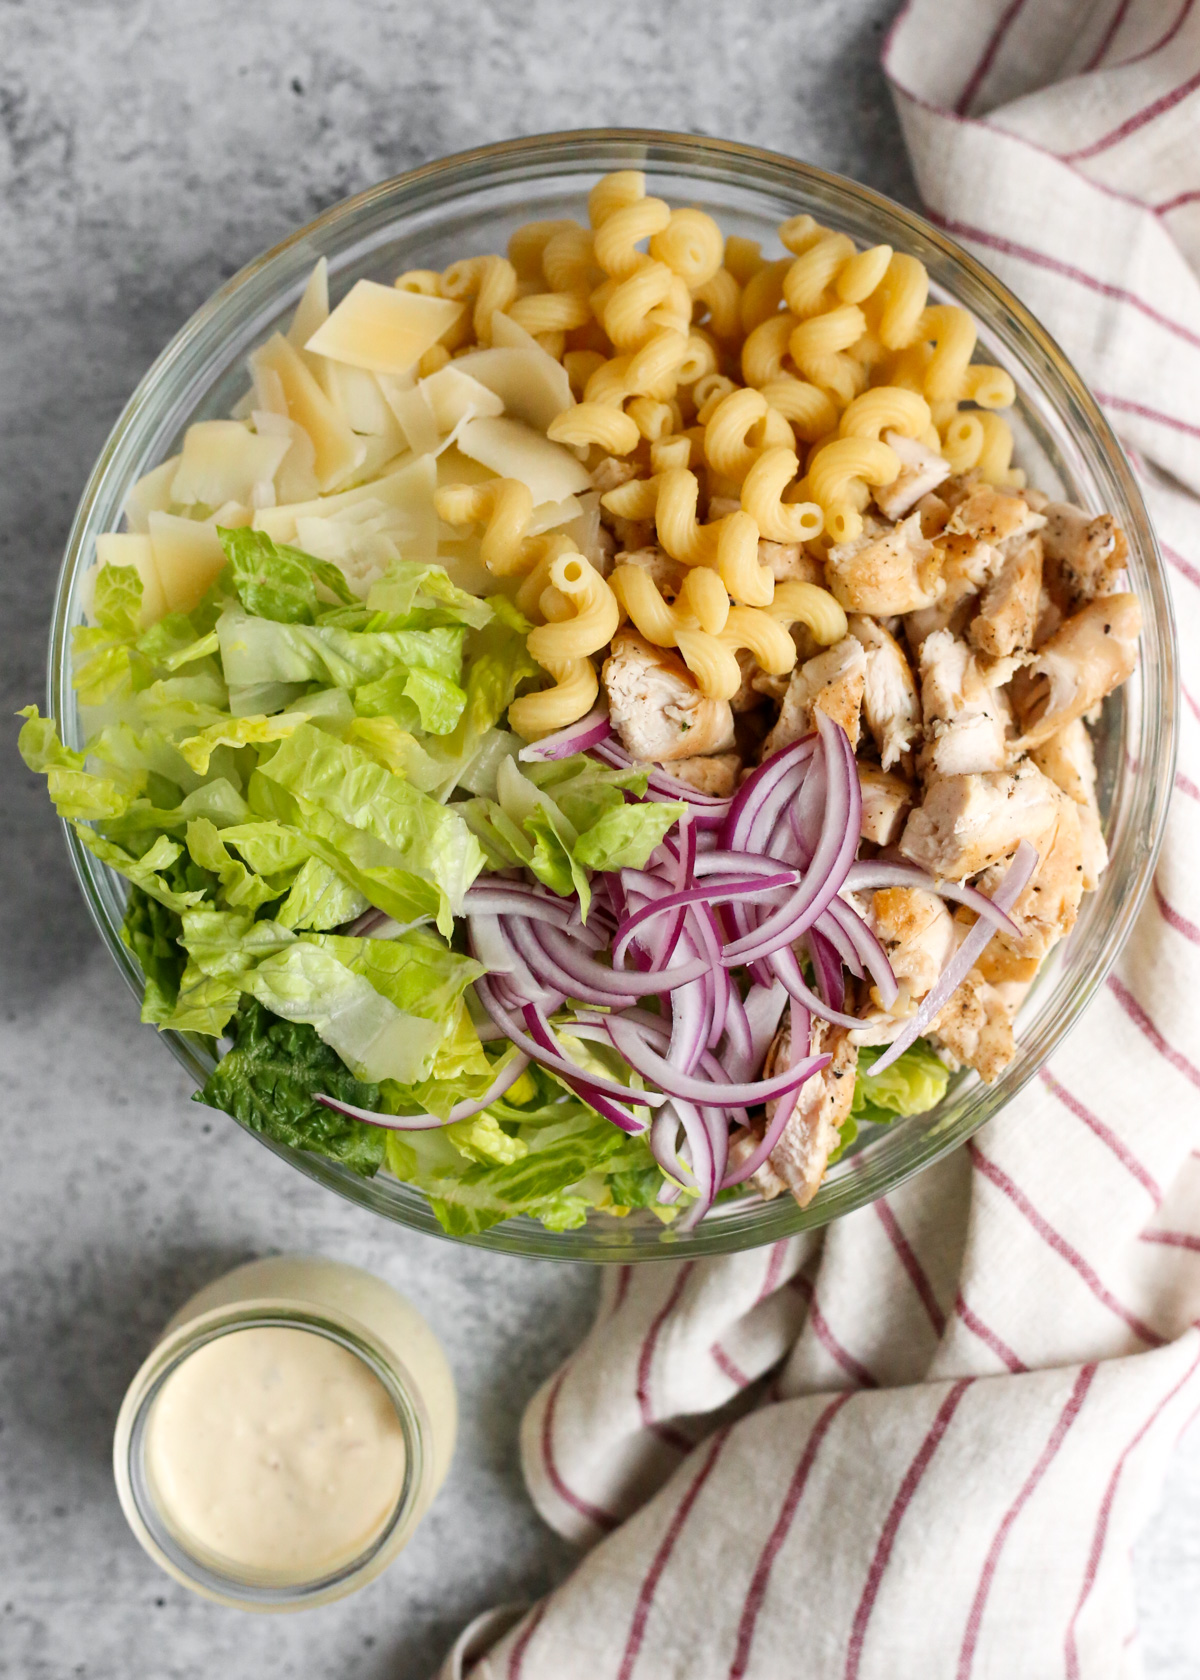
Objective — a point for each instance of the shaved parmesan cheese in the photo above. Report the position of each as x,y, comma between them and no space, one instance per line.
359,397
267,393
549,515
223,462
464,567
415,417
383,330
531,385
313,309
151,493
296,478
584,531
188,558
128,548
406,495
338,451
231,515
514,450
453,396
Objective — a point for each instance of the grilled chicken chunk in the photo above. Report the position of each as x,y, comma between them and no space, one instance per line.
922,470
993,516
1068,760
716,775
918,933
668,574
1046,910
966,719
1084,554
1008,613
967,823
890,699
886,801
656,707
968,566
832,683
1092,653
787,561
885,571
975,1028
798,1161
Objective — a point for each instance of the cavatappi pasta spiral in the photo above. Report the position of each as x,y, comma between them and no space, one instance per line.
738,399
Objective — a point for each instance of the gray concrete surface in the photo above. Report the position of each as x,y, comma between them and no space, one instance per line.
147,150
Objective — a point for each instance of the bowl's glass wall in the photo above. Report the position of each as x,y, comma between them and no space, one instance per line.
470,204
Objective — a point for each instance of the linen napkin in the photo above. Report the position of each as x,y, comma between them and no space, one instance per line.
923,1441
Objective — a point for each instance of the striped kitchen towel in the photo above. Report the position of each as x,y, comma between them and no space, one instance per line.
923,1441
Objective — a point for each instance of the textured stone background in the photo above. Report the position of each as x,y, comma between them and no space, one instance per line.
147,150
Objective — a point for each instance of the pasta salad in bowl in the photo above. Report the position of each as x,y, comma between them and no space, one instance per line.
625,733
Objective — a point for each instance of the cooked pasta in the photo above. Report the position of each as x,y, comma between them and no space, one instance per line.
762,498
703,372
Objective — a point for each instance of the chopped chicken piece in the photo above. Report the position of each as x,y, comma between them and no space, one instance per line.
790,560
630,534
1084,555
921,470
968,566
748,696
1046,910
720,507
1008,613
717,774
1086,658
656,707
894,571
934,513
611,473
886,802
975,1028
918,933
993,516
966,823
798,1161
1067,758
966,721
890,692
832,683
668,574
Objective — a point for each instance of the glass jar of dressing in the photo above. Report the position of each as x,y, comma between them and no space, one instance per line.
286,1435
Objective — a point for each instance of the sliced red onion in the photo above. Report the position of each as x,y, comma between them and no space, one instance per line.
664,1132
509,1073
868,875
736,1050
1016,878
801,1028
619,987
529,942
752,888
869,952
576,738
831,860
783,964
579,1082
637,1052
553,1058
827,968
748,799
491,946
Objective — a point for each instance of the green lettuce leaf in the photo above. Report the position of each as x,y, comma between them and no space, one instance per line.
411,586
256,651
306,982
269,1080
276,582
624,837
319,899
365,821
415,698
915,1082
148,871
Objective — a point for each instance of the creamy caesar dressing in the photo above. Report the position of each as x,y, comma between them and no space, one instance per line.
275,1454
260,1458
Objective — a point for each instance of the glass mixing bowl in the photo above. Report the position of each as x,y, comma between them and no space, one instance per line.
469,204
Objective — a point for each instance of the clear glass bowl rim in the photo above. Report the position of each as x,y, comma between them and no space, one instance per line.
197,346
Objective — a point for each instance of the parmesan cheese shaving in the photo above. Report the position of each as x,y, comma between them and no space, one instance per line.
188,558
223,462
313,309
514,450
383,330
296,477
150,494
338,451
549,515
453,396
531,385
406,495
128,548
